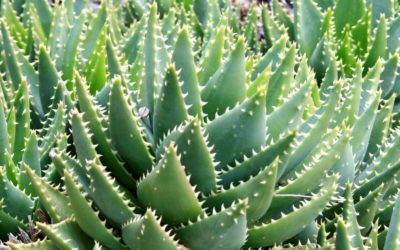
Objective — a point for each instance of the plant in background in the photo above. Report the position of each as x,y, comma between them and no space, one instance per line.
172,124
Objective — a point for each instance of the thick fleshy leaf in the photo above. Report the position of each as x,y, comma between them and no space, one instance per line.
289,225
223,230
244,123
185,63
231,75
258,191
307,21
126,132
147,233
170,108
67,235
168,182
86,218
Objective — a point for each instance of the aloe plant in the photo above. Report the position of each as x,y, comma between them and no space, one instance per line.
171,124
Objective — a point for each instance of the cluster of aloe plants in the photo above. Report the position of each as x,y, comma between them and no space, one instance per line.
177,124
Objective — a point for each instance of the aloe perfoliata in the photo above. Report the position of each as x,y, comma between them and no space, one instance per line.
172,124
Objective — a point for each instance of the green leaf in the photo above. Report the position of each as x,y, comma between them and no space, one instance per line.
195,154
258,190
257,162
185,63
97,126
22,121
214,49
393,234
93,31
273,57
307,21
156,61
347,12
126,132
312,131
231,75
86,218
4,137
147,233
291,224
38,245
310,176
67,235
170,108
287,116
55,202
168,181
379,45
239,131
223,230
16,203
343,236
280,81
108,195
48,79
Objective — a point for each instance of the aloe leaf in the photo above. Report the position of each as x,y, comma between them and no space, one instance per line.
222,230
380,129
97,126
316,170
342,235
273,57
257,162
272,30
289,225
108,195
366,208
361,33
362,130
279,83
393,33
147,233
39,245
348,12
55,202
213,49
165,182
288,115
245,122
393,233
16,203
48,79
258,191
307,21
185,64
67,235
86,218
314,133
44,14
156,61
4,137
231,75
11,62
284,18
170,108
388,76
195,154
379,8
71,49
93,31
378,47
22,119
126,132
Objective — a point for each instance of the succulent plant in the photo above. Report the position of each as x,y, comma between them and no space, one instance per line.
174,125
